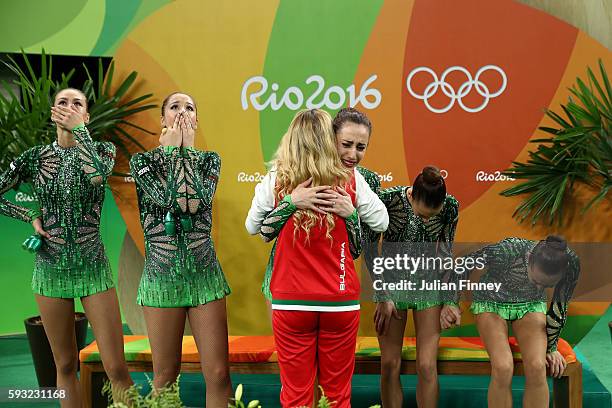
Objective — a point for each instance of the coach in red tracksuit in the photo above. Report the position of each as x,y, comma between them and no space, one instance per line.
315,288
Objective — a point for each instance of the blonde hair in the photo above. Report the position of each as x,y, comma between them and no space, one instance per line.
308,149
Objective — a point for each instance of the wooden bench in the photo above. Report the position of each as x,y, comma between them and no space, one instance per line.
256,355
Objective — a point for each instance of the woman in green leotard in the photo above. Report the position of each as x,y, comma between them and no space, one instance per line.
353,130
421,217
182,277
524,268
69,177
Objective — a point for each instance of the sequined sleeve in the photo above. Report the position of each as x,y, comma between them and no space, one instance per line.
201,176
156,173
556,316
98,158
398,213
397,210
500,254
451,219
369,236
20,170
274,221
446,239
355,234
496,256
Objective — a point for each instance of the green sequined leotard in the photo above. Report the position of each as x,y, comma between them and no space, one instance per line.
506,263
181,266
407,228
356,235
69,186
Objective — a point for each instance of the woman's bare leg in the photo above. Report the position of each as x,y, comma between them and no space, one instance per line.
494,333
427,325
102,310
165,328
209,326
530,331
58,320
390,362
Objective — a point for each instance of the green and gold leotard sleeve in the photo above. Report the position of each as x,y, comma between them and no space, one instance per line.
97,159
158,175
556,316
201,176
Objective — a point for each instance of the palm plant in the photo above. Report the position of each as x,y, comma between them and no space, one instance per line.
25,122
166,397
579,151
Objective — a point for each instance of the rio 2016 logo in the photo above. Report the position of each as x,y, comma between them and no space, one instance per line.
495,176
335,97
387,178
256,177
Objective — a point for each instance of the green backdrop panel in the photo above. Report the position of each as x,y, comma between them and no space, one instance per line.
27,22
335,32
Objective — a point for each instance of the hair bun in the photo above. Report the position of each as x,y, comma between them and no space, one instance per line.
432,175
557,242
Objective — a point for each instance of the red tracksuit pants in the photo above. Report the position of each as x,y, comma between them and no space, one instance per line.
311,345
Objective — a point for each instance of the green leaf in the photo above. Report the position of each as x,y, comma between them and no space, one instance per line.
130,124
607,98
562,122
604,77
238,394
109,79
126,84
101,76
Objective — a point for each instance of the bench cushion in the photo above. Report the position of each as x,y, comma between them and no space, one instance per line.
452,349
259,349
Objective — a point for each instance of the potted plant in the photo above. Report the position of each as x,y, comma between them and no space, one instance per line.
25,122
579,151
41,349
25,119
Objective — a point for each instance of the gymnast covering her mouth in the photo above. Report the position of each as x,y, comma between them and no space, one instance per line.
182,276
69,178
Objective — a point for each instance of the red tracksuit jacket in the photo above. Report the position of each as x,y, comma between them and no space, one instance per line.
318,274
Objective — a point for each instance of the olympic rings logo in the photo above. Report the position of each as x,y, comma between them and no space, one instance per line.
456,96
